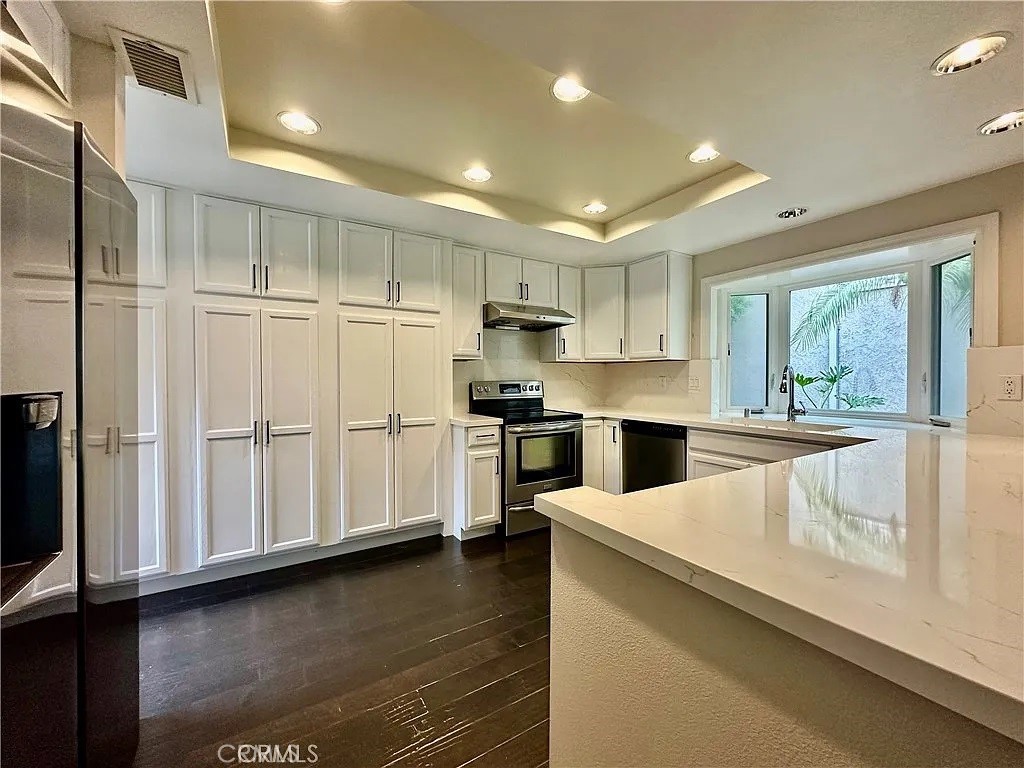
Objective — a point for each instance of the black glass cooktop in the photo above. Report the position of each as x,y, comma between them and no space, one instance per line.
538,416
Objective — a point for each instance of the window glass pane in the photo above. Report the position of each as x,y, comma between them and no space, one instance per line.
848,344
952,336
748,350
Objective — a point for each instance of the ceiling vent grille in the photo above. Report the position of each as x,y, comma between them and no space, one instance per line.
155,66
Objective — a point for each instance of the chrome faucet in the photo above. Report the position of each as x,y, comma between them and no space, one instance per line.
789,386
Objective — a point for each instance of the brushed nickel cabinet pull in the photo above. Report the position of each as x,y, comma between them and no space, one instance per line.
527,296
389,423
398,430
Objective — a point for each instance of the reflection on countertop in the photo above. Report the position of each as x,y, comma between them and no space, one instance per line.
910,541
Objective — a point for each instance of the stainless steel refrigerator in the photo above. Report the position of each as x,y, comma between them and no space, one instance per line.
69,680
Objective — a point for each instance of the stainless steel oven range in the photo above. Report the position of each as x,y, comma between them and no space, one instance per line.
543,448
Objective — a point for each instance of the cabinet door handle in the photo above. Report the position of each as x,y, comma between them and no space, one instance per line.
661,342
106,441
74,444
388,287
117,260
398,292
615,434
255,432
117,439
389,423
527,296
254,278
520,290
563,345
398,420
266,277
267,440
478,341
71,258
496,465
104,261
620,345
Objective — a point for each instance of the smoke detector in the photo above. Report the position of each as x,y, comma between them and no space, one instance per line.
155,66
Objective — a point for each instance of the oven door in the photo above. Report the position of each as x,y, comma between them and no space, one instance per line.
541,458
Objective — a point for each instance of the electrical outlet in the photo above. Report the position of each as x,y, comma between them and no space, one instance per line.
663,382
1010,387
693,383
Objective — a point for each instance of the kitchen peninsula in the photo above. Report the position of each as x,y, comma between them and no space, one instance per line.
858,606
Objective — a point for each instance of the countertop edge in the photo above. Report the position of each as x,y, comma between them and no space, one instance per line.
973,700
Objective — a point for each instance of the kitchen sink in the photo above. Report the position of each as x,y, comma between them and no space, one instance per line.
779,422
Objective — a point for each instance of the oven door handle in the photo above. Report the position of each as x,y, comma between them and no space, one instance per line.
539,429
521,508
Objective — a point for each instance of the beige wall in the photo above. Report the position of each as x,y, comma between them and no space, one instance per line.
648,671
1001,191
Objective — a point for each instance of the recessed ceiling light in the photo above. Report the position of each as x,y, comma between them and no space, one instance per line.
970,53
1008,122
791,213
568,89
477,174
704,153
595,207
299,122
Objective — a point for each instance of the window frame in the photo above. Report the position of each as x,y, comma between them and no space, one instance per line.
984,231
770,323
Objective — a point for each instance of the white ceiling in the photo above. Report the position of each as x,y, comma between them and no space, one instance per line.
834,101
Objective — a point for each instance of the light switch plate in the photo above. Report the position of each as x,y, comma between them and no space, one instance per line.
1010,387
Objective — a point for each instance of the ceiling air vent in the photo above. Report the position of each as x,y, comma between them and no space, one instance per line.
155,66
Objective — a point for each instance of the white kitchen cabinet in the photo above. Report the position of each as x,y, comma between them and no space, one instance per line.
565,344
38,223
417,273
151,251
390,385
612,458
477,452
593,453
364,265
604,311
417,415
98,243
700,464
290,447
366,368
756,449
658,303
540,283
227,243
228,408
100,441
504,282
256,384
290,255
467,303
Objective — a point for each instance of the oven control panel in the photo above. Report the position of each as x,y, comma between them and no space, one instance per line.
496,390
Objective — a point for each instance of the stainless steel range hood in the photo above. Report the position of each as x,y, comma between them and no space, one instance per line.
515,317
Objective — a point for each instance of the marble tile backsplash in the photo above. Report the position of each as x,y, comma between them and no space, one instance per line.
654,386
986,413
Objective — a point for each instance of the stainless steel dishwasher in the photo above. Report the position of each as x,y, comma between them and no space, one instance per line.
652,455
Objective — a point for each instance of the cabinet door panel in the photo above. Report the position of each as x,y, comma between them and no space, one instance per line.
152,234
365,358
417,273
290,377
228,410
290,249
142,523
648,308
123,234
467,302
100,419
364,265
484,492
570,337
227,246
36,208
593,453
417,367
604,295
504,278
98,258
706,465
540,283
612,457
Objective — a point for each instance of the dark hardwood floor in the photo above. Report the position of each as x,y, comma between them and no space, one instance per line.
432,655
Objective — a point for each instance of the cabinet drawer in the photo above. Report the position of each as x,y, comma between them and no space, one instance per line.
763,449
483,436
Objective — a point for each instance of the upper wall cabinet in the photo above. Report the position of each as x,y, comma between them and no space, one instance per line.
565,344
227,246
604,310
151,209
658,301
110,245
244,250
379,268
467,303
515,280
290,251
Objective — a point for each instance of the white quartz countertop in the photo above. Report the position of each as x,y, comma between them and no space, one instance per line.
901,552
473,420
